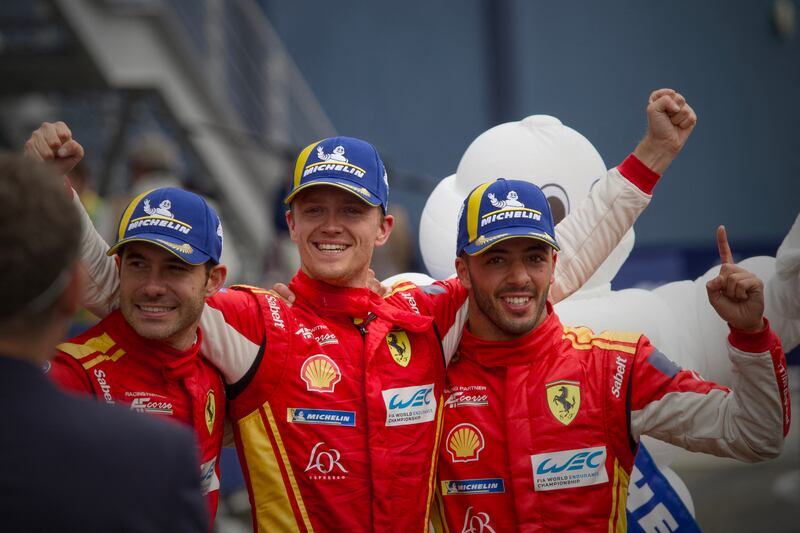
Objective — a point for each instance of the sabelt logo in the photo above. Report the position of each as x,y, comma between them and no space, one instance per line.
785,399
569,468
412,302
409,405
619,375
320,373
464,443
100,376
275,311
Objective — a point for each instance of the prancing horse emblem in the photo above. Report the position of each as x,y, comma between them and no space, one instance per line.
399,347
564,400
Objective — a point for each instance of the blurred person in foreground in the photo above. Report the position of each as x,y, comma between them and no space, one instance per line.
337,401
545,419
72,463
145,354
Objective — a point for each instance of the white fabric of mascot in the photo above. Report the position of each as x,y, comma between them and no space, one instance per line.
676,317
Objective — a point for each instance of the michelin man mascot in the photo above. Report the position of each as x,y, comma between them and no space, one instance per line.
676,317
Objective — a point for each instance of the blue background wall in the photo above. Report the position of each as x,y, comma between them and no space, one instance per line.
420,79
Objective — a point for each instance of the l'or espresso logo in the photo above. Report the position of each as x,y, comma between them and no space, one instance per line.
324,463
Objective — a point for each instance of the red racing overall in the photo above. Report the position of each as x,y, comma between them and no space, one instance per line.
540,433
337,418
113,363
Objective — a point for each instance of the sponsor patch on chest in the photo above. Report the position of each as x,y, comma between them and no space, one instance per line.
466,396
409,405
326,417
569,468
452,487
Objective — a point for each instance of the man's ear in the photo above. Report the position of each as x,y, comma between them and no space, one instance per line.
290,223
462,271
72,298
384,230
553,270
216,279
117,261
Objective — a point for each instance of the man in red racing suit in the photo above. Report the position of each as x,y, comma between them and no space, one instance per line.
114,364
542,421
146,354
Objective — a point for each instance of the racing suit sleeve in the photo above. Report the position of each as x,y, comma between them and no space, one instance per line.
69,375
102,288
233,334
748,422
445,301
589,234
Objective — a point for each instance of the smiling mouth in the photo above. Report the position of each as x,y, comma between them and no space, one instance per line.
330,248
517,300
154,309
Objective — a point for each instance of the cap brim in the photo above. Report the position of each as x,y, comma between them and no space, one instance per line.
355,188
484,242
183,251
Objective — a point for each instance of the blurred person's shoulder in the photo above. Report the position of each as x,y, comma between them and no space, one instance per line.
89,463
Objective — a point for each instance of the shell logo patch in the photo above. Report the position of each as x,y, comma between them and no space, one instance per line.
399,347
464,443
210,411
564,400
320,373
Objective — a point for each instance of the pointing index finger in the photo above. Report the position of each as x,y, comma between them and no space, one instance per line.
725,254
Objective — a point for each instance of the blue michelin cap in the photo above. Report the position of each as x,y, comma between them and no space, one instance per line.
179,221
350,164
500,210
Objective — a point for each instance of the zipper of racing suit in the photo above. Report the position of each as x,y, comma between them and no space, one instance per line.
362,329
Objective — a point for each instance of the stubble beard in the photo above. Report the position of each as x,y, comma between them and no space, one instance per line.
188,315
490,306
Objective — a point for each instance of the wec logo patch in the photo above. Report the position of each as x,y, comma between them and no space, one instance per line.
569,468
409,405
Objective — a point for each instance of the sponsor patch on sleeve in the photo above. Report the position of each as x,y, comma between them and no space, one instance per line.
663,363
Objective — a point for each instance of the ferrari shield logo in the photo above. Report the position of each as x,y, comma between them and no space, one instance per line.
210,411
564,400
399,347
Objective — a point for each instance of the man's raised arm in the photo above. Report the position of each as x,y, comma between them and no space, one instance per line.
53,142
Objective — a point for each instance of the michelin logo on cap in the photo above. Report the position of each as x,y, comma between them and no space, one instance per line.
156,217
342,164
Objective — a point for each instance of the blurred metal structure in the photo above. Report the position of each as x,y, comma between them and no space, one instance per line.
216,70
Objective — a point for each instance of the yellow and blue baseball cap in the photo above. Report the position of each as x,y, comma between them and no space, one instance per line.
345,162
179,221
503,209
